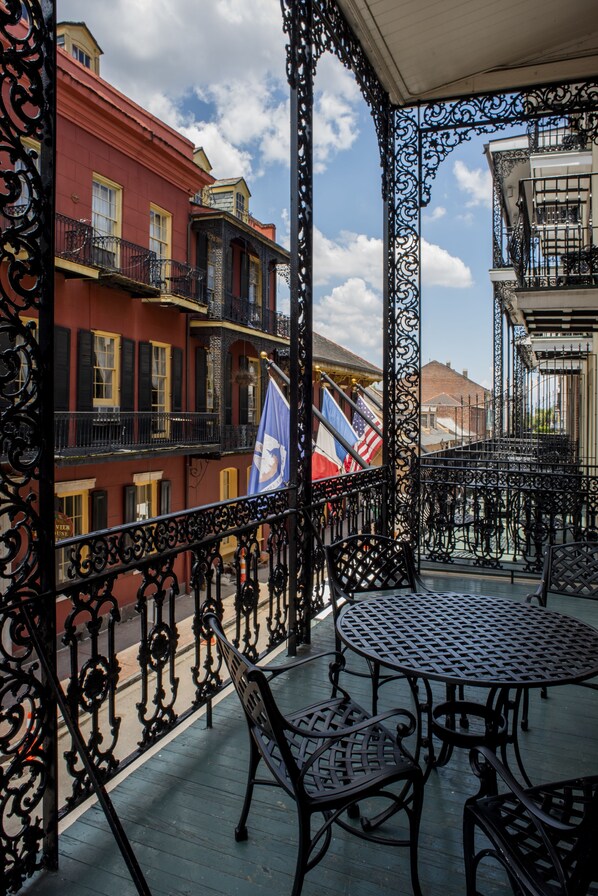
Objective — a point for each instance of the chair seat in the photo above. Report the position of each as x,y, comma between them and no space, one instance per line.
361,758
520,844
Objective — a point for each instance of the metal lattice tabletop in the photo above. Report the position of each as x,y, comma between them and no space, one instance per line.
471,639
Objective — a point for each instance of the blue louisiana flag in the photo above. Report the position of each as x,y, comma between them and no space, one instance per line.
335,416
270,467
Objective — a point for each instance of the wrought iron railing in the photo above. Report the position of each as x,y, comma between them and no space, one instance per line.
552,243
107,430
559,136
78,242
501,510
180,279
240,437
162,575
248,314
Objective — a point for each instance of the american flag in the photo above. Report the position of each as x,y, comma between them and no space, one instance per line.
369,441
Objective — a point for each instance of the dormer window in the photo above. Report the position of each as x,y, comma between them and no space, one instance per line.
81,56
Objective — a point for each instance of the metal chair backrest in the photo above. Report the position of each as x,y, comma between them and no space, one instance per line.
364,564
266,722
571,569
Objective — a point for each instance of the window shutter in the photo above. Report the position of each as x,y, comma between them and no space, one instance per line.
228,390
130,508
202,251
144,398
243,393
177,379
99,510
62,367
200,379
127,374
85,370
165,496
244,275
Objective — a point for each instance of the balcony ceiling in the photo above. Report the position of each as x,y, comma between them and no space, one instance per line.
426,50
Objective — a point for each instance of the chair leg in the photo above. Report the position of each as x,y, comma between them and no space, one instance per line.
468,855
414,815
303,850
375,687
254,761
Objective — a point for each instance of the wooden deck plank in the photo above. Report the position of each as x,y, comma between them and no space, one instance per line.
181,806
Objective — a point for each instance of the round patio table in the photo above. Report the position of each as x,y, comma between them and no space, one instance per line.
493,643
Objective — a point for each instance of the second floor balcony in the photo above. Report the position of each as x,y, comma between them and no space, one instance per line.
249,314
107,432
134,267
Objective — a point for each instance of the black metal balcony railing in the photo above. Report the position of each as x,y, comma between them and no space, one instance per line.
180,279
551,137
77,241
236,556
239,438
113,430
499,505
248,314
552,243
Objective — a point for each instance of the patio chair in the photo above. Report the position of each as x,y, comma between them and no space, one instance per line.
570,570
326,757
544,836
364,565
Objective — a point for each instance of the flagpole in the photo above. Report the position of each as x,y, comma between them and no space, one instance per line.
367,395
350,401
319,416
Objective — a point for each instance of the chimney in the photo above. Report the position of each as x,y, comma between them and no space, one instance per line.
465,372
448,363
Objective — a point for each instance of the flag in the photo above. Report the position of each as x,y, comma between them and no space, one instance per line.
324,460
369,441
270,466
335,416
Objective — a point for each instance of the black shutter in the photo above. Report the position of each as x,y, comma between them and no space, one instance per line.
144,397
243,392
127,374
244,275
176,363
228,390
202,251
99,510
85,371
130,508
165,496
200,379
62,367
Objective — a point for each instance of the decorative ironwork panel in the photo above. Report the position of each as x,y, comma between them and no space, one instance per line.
27,710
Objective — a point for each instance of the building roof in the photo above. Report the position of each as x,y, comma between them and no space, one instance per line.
231,182
449,48
330,353
442,400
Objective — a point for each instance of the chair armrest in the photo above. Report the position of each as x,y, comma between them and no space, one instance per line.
538,595
273,671
542,817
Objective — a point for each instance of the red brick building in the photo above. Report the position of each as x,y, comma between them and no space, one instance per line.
451,401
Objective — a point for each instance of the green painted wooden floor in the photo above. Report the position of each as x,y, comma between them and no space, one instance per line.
180,807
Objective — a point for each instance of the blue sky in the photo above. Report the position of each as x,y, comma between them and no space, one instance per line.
216,71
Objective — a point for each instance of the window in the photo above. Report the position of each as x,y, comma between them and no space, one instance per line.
81,56
229,488
211,280
209,382
240,205
160,387
60,40
106,355
144,493
254,280
72,509
160,232
106,211
253,391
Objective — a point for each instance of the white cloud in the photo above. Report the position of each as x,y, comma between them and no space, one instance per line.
440,268
474,181
230,55
436,214
351,314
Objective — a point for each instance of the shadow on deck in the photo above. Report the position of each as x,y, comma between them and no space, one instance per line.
180,806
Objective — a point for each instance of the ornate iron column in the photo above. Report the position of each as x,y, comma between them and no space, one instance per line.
27,709
298,24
